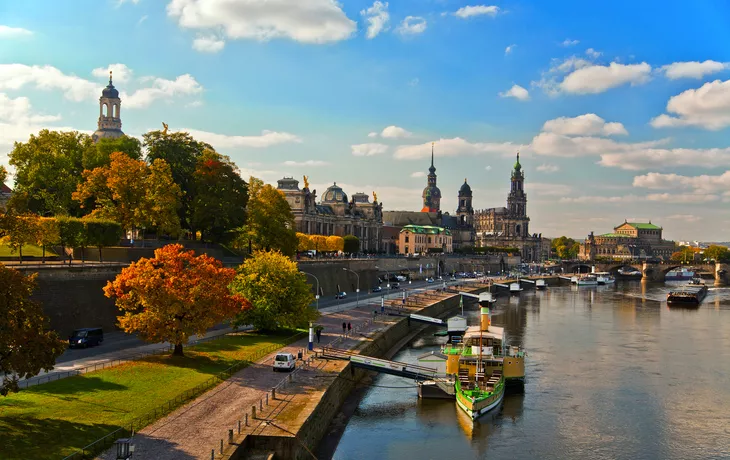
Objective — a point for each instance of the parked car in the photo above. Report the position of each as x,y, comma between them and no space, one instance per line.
340,295
377,289
394,285
284,361
429,280
86,337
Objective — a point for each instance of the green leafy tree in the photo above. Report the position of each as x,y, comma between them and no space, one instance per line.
220,197
26,347
48,234
717,253
351,244
181,151
278,291
47,171
23,230
269,221
71,233
99,154
3,174
565,248
102,233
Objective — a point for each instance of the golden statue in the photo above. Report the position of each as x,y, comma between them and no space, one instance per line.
306,182
164,125
375,197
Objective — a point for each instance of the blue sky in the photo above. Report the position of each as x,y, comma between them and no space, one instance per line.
619,110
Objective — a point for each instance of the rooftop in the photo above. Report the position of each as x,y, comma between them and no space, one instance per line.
643,225
613,235
426,229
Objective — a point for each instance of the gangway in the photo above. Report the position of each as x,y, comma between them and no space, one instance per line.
415,317
502,285
409,371
523,280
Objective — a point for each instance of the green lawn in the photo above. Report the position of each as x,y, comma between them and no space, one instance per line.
55,419
28,250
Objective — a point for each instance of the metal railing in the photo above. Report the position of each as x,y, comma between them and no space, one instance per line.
128,429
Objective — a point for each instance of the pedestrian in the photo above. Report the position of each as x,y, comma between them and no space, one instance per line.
349,327
344,328
319,333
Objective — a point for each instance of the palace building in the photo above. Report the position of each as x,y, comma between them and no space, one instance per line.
630,240
334,214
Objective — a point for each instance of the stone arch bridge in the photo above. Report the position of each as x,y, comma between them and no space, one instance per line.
655,272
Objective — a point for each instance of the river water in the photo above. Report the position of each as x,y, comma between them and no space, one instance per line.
612,373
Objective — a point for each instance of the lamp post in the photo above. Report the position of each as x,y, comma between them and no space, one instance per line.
316,296
357,301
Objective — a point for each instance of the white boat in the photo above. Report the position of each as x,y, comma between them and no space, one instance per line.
679,274
515,288
604,278
540,284
629,272
573,280
587,280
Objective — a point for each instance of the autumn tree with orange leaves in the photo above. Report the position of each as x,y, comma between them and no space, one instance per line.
174,295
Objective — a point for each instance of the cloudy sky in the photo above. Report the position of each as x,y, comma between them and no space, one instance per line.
620,110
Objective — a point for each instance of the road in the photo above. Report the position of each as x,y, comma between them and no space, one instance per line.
365,294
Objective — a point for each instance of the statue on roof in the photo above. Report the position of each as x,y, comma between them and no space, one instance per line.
375,197
306,182
164,125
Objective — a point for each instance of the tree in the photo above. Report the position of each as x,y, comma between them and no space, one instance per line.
335,243
47,170
684,255
565,248
304,242
174,295
351,244
102,233
132,193
71,233
23,230
26,347
181,151
99,154
220,197
48,234
3,174
319,242
717,253
279,292
270,221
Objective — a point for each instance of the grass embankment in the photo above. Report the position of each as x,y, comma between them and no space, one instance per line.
58,418
28,251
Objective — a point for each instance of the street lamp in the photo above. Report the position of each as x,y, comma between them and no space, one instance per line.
316,296
357,302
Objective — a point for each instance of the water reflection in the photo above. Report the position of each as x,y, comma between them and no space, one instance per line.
612,373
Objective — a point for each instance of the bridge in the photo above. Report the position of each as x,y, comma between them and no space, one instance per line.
650,271
409,371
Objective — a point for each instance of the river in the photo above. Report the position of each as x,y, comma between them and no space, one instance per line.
612,373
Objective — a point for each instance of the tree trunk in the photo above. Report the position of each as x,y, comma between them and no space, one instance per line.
20,253
100,254
178,351
83,254
43,257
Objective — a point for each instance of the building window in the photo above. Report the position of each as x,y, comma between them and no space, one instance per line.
406,238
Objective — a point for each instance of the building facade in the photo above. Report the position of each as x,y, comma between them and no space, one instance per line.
422,239
109,125
335,215
630,240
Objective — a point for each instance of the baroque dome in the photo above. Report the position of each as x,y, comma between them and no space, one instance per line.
465,189
334,194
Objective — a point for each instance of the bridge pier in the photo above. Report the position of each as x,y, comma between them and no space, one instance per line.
652,273
722,274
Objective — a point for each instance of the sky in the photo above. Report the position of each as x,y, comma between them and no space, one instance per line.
620,110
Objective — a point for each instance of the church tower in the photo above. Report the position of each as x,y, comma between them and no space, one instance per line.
517,203
465,211
431,194
110,122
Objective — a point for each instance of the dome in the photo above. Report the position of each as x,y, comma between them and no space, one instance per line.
110,91
432,192
334,194
465,189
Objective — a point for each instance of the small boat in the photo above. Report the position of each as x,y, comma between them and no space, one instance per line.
604,278
692,294
679,274
587,280
540,284
629,272
515,288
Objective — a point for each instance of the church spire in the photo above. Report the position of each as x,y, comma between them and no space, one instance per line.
432,169
110,78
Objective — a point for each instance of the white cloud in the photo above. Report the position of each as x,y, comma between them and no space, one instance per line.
310,21
18,120
666,198
14,32
692,69
509,49
706,107
634,158
368,150
120,72
266,139
596,79
682,197
600,199
593,54
569,42
684,217
588,124
516,92
306,163
412,25
453,147
208,43
377,17
162,88
395,132
487,168
700,184
418,174
549,81
477,10
548,168
373,134
16,76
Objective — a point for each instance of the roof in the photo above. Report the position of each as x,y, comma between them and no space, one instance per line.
493,332
400,218
643,225
614,235
4,189
425,229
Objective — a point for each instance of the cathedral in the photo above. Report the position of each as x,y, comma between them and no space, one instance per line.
499,227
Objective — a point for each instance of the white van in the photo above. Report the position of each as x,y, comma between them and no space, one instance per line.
284,361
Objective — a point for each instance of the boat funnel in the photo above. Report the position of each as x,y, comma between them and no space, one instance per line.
485,319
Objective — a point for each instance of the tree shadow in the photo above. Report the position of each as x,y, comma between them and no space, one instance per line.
71,385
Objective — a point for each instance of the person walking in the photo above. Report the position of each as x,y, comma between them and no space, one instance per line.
344,328
349,327
319,333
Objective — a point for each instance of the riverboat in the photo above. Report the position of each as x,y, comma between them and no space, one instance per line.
604,278
482,366
587,280
629,273
540,284
679,274
692,294
515,288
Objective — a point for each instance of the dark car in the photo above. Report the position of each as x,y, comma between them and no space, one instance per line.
340,295
394,285
86,337
377,289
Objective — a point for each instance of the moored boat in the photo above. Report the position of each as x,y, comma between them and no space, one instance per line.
515,288
587,280
629,273
540,284
604,278
679,274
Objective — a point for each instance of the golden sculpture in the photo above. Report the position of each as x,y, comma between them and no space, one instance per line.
164,125
375,197
306,182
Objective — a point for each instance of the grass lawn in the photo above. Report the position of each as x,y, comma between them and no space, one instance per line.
28,250
56,419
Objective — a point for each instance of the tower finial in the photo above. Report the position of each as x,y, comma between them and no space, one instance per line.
432,153
110,77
